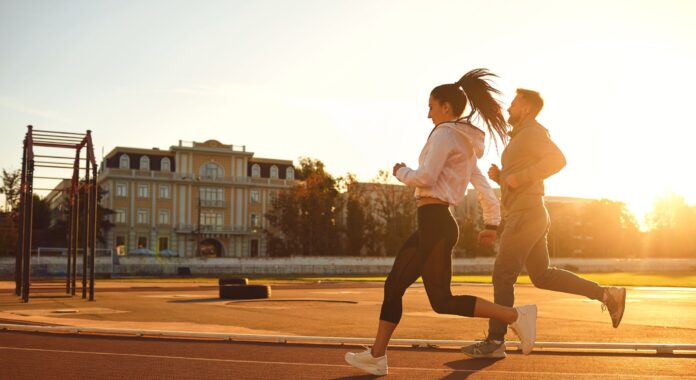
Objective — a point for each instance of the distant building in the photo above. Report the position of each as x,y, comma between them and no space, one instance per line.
195,199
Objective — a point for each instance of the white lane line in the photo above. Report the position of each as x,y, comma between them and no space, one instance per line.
591,375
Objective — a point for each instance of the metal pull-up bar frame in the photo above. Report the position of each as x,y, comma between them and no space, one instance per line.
83,198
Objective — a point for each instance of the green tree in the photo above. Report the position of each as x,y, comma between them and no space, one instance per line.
361,230
305,214
396,210
10,188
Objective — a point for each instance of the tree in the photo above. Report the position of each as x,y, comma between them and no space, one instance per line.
10,188
361,230
397,211
305,214
672,224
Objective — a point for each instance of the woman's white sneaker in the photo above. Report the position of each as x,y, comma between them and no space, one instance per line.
525,327
365,361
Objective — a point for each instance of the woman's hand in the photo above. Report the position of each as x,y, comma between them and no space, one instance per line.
397,167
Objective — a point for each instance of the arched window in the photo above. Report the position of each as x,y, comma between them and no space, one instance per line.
144,163
166,165
212,170
124,162
274,171
255,170
290,173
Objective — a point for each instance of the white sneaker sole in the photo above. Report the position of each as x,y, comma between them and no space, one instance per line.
367,368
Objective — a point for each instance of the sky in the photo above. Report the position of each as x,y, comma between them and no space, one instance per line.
347,82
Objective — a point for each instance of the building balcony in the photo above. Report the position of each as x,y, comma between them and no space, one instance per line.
206,229
212,203
233,180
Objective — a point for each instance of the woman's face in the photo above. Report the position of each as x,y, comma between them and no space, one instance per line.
439,111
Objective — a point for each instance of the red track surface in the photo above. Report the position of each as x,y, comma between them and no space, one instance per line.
63,356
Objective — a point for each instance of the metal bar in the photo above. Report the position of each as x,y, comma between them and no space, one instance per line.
60,178
56,138
52,163
19,249
51,145
28,225
54,166
59,135
59,132
76,237
87,233
69,241
657,347
59,157
95,224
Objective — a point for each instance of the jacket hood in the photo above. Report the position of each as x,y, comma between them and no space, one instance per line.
466,130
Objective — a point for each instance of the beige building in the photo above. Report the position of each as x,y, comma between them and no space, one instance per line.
195,199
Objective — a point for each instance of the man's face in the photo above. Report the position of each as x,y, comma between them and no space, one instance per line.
517,110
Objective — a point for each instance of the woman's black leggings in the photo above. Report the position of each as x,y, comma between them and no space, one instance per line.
427,253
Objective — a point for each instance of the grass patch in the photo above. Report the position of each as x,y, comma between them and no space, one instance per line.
680,280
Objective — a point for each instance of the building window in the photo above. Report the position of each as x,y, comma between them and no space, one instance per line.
120,245
164,191
255,170
212,219
124,162
255,220
212,196
166,165
143,191
163,243
120,215
255,196
290,173
212,170
121,190
143,216
144,163
163,217
272,196
274,171
142,242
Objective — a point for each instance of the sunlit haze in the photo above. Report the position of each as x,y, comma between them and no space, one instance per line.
347,82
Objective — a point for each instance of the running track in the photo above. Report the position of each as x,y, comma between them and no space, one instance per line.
60,356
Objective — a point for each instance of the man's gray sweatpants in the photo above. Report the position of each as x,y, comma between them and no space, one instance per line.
523,242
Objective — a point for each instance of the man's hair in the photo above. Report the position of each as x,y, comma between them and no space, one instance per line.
533,99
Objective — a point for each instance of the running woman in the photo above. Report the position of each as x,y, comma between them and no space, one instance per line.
446,166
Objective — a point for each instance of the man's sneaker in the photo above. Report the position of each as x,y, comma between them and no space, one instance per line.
615,303
365,361
525,327
490,349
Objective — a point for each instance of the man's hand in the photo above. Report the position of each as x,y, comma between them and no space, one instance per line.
397,167
512,182
494,173
487,237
